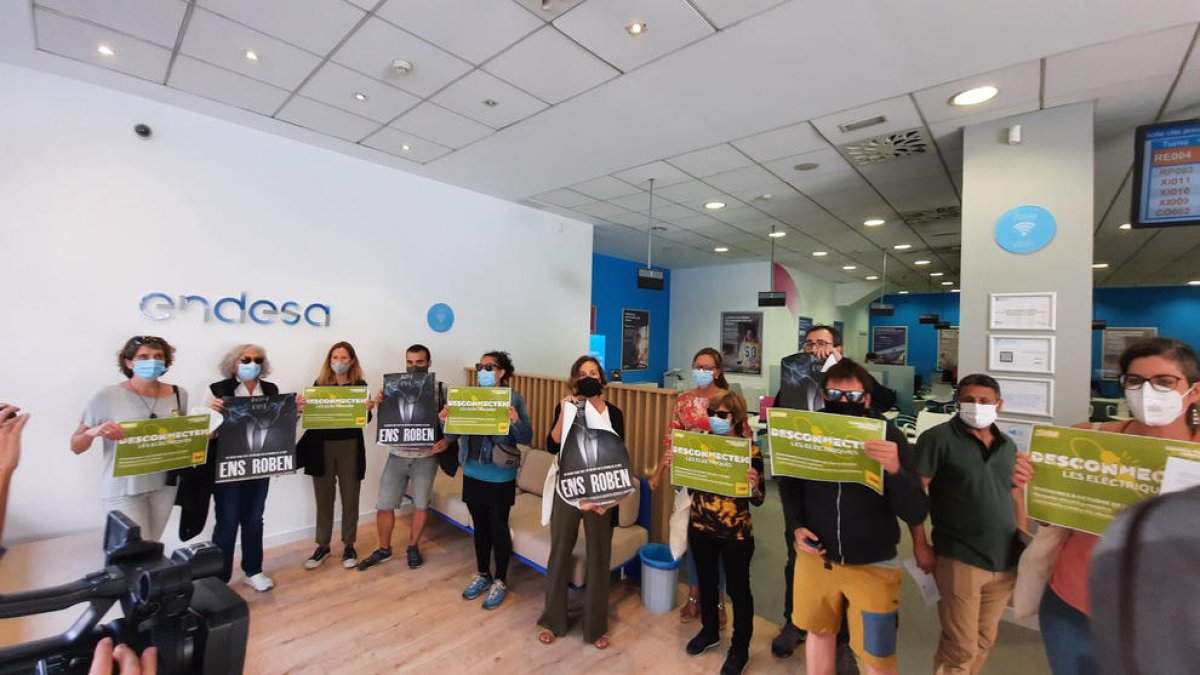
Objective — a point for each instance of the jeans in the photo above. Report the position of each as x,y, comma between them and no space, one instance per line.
241,504
1067,637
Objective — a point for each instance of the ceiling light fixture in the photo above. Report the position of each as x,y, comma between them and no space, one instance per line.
721,249
956,290
766,197
806,166
849,267
406,147
636,28
937,274
777,234
251,55
873,277
105,50
820,254
974,96
491,102
1125,226
714,205
359,96
1099,266
902,247
902,292
947,283
874,222
1194,282
920,262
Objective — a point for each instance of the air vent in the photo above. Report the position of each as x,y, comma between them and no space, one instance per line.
862,124
885,148
931,215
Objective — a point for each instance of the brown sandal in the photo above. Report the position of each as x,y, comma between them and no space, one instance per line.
602,642
690,610
545,636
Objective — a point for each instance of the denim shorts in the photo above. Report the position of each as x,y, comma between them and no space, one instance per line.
406,475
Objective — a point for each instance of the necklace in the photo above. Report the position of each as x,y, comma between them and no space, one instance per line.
149,407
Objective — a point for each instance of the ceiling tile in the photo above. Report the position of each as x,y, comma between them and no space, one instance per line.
827,159
550,66
222,85
548,10
815,183
222,42
1119,108
1187,91
692,191
816,224
441,126
788,204
663,174
700,223
905,169
792,140
78,40
601,209
1019,85
373,48
156,21
338,85
467,97
738,215
899,114
604,187
326,119
710,161
473,30
314,25
670,212
747,183
564,197
1132,58
724,13
599,25
405,146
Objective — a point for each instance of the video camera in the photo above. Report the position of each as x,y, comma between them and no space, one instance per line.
179,606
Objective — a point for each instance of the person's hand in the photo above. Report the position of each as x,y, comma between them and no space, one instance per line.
374,401
595,508
11,425
753,477
885,453
1022,471
126,659
803,536
108,430
926,558
217,404
444,413
569,401
512,415
300,403
440,446
668,455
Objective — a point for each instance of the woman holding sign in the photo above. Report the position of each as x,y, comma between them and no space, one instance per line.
1159,377
586,383
146,499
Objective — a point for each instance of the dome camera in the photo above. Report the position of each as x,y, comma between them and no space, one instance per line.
143,131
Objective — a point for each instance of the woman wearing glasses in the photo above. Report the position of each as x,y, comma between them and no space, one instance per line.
146,499
1160,377
691,414
490,482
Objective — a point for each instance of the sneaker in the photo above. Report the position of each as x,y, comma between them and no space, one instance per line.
379,555
846,663
496,595
260,582
788,639
478,585
701,643
349,558
735,663
314,561
414,557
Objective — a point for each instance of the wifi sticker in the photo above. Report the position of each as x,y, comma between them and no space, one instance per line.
1025,229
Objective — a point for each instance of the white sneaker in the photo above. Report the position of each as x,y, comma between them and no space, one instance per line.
260,582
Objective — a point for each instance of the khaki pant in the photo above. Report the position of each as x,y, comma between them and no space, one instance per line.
564,532
973,601
341,474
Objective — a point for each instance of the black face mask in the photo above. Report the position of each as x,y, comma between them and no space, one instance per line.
846,408
588,386
417,370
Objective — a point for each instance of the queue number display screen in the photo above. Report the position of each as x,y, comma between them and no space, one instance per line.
1167,175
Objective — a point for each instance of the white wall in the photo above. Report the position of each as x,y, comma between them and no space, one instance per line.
94,218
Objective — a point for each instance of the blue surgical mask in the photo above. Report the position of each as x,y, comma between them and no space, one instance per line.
702,378
149,369
719,426
248,371
487,378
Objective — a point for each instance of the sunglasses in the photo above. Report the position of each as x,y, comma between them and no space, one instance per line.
246,360
486,366
837,395
146,340
723,414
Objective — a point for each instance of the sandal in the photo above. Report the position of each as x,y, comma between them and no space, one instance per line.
601,642
545,636
690,610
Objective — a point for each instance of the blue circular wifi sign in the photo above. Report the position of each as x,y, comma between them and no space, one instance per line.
1025,229
440,317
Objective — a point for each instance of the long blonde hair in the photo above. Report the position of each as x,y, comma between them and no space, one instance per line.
327,378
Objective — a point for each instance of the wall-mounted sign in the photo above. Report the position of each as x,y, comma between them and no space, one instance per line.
235,309
1025,229
440,317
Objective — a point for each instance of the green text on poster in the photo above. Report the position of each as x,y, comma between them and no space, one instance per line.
161,444
334,408
824,446
478,410
716,464
1083,478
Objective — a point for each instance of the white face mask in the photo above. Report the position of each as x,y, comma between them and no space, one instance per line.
977,415
1153,407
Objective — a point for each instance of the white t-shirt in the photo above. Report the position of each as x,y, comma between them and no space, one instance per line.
115,403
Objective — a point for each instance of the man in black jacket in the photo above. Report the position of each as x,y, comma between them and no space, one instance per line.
846,536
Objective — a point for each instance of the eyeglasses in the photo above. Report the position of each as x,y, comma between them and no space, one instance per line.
1158,382
486,366
837,395
707,369
817,344
723,414
246,360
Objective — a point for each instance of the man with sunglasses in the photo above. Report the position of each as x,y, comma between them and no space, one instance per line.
846,536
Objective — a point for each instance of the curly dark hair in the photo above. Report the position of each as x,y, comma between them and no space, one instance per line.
127,352
504,361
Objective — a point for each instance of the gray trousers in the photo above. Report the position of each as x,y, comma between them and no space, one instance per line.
564,531
341,467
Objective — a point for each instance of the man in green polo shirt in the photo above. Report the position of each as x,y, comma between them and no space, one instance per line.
975,478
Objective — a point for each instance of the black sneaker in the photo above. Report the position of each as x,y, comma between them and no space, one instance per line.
788,639
414,557
735,663
314,561
380,555
701,643
349,558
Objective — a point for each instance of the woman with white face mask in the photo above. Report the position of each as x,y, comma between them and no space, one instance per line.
1159,377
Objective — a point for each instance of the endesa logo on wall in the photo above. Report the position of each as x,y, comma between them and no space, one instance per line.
234,309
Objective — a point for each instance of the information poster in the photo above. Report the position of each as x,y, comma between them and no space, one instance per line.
741,342
802,325
409,409
1114,342
824,446
635,339
478,410
890,344
1022,311
593,462
334,408
947,358
1083,478
258,437
716,464
161,444
1021,353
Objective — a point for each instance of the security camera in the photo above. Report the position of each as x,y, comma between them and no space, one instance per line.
401,67
143,131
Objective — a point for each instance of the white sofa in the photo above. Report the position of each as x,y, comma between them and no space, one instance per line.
531,541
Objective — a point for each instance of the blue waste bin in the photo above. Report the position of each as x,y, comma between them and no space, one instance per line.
660,571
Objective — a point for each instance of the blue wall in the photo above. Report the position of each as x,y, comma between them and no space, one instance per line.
922,337
614,287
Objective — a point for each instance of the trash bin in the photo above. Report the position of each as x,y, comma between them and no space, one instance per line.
660,570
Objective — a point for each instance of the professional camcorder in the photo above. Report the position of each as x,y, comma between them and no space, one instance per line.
179,606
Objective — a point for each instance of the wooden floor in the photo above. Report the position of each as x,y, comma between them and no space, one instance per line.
393,619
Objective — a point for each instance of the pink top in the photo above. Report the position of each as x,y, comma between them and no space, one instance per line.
1069,579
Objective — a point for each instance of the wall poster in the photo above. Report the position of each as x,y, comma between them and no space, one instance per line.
741,342
890,344
635,339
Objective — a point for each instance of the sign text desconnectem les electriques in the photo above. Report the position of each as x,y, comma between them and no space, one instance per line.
160,307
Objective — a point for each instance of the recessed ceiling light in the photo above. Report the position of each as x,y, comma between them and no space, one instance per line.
947,283
713,206
874,222
936,274
820,254
105,50
251,55
920,262
777,234
721,249
1125,226
902,247
406,147
491,102
1099,266
636,28
902,292
975,96
1194,282
806,166
359,96
849,267
873,277
766,196
956,290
